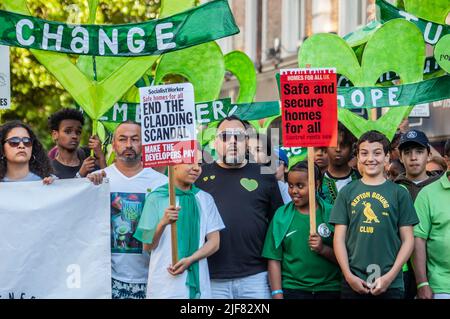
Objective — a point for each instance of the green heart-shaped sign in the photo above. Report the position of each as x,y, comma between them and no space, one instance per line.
203,65
435,11
396,46
249,184
442,53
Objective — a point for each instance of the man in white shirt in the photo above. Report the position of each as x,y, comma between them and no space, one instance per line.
129,183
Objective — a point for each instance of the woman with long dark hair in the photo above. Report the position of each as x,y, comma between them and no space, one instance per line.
22,156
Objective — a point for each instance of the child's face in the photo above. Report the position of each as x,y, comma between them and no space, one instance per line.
340,155
415,160
298,188
321,157
372,159
189,173
68,135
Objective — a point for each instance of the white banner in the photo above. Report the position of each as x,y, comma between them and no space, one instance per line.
55,240
5,80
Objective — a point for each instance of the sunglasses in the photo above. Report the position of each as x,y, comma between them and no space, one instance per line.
15,141
226,136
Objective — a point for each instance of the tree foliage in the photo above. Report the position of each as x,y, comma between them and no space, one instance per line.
35,93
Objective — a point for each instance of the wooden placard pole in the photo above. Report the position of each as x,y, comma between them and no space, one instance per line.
173,226
373,114
312,191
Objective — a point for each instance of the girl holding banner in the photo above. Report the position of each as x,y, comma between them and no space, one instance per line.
302,266
198,223
22,156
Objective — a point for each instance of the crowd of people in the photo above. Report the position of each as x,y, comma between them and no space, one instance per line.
382,213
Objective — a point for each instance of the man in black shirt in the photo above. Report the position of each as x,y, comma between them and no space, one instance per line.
247,201
71,161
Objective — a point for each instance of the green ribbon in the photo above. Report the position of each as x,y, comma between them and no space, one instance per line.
432,32
204,23
431,90
206,112
427,91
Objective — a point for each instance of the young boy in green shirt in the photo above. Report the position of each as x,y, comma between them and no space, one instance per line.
374,220
301,266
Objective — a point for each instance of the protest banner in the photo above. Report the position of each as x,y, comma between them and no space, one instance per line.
151,37
309,107
309,116
5,82
168,132
51,249
168,124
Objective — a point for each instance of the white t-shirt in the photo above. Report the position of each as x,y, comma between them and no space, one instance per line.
129,263
161,284
284,190
340,182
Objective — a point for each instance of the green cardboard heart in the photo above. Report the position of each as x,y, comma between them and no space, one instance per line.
435,11
203,65
383,53
242,67
442,53
249,184
116,75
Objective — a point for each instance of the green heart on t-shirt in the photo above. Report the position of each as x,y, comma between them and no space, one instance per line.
249,184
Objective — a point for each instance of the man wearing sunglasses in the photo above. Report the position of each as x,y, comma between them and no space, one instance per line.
247,200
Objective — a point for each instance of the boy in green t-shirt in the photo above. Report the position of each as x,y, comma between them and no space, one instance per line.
374,220
301,266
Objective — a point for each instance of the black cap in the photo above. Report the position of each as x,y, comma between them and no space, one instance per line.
414,137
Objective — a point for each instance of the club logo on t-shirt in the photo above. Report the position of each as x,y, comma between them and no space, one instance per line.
369,213
369,207
323,230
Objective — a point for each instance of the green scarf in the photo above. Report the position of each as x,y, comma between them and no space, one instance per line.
188,227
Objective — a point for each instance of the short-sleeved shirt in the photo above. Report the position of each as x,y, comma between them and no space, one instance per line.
161,284
64,171
433,208
129,263
302,268
331,185
31,177
374,215
247,201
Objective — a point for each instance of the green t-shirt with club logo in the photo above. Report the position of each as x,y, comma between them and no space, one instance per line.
374,215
